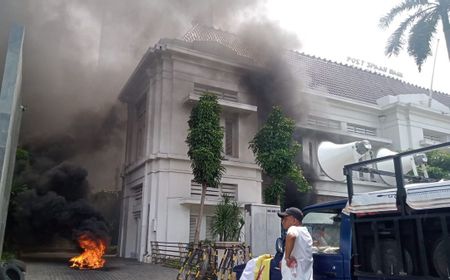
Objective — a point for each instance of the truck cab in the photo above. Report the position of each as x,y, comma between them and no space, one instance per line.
397,233
400,232
331,234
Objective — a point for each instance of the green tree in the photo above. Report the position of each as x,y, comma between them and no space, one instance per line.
227,221
21,166
438,166
19,185
275,150
205,141
422,18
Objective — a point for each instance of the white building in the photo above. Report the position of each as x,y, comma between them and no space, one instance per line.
346,104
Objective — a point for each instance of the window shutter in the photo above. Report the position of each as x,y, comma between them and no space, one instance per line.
229,137
192,224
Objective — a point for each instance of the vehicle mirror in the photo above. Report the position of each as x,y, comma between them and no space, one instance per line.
279,245
337,219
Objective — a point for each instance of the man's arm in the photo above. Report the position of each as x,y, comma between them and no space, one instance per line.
290,241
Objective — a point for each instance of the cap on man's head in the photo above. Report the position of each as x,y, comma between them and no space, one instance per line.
292,211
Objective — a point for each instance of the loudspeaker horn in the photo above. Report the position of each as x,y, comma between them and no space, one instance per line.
409,163
332,157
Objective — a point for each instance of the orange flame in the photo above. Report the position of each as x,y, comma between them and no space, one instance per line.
92,257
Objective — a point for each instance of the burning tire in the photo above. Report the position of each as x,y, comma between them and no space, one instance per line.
440,258
10,271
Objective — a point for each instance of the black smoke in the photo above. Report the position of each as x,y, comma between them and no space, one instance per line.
274,81
79,54
294,198
54,193
87,133
54,205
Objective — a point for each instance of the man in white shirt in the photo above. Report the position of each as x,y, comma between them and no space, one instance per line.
297,263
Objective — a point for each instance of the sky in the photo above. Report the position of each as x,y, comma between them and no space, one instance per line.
339,30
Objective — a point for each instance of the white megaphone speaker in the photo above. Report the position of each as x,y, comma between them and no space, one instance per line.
409,163
332,157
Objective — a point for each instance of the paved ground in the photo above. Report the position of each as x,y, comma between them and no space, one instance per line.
45,268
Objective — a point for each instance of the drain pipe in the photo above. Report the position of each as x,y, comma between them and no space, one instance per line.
147,255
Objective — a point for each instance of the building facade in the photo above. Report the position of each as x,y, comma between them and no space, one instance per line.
160,201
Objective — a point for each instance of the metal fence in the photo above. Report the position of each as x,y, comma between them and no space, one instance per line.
169,253
213,261
207,261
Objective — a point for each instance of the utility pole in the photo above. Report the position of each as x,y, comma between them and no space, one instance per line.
10,105
430,93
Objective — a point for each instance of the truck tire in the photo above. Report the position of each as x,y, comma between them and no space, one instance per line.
20,264
2,273
13,272
389,261
440,258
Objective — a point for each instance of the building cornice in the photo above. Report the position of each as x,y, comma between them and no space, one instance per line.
345,101
226,104
345,134
175,46
161,156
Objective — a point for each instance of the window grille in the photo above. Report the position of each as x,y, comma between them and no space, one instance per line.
324,123
136,195
223,94
140,127
362,130
434,137
231,137
214,194
228,137
192,224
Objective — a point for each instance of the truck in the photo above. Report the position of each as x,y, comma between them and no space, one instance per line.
395,233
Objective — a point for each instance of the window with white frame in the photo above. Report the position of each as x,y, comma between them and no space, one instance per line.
231,137
208,227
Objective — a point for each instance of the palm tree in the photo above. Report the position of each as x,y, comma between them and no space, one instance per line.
422,22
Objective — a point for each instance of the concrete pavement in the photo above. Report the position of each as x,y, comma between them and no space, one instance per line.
115,269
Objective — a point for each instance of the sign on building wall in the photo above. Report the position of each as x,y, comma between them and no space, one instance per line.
10,116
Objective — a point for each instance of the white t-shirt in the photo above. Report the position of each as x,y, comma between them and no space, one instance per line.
302,252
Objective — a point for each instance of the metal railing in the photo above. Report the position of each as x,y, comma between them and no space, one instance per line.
171,254
213,261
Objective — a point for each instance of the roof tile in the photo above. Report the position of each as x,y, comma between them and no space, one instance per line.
322,74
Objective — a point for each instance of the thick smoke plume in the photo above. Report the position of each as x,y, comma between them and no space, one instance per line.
275,82
87,133
53,206
78,54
